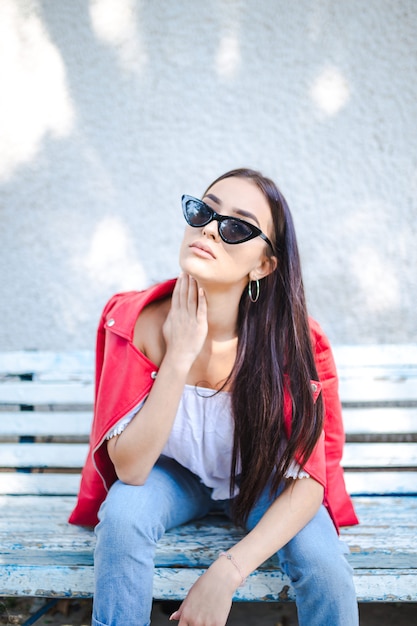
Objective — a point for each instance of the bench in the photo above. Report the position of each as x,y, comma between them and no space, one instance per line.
45,416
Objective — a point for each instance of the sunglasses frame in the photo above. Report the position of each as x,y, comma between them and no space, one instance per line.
255,231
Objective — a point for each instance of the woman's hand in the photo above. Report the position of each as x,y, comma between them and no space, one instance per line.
185,328
209,600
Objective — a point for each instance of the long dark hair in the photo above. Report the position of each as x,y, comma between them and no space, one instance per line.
274,367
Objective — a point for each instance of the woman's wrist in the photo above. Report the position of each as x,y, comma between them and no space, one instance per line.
176,364
229,556
226,570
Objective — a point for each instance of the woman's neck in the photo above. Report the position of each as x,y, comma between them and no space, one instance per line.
222,313
216,359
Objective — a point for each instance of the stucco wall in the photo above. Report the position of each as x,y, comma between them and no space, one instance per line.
111,109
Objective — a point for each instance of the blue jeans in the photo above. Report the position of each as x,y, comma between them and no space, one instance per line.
133,519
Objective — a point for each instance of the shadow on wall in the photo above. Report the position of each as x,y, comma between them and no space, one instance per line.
37,99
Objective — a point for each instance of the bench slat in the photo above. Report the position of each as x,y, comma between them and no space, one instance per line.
370,391
346,356
373,455
357,483
381,420
43,455
66,423
380,483
34,393
54,455
57,423
44,393
38,362
375,355
382,585
173,584
19,483
15,424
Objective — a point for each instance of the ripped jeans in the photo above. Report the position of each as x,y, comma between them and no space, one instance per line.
133,519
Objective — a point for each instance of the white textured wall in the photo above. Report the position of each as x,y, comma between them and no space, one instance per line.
111,109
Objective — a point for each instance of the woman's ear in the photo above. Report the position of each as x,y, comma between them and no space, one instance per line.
268,265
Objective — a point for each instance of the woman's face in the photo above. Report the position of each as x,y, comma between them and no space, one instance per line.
206,257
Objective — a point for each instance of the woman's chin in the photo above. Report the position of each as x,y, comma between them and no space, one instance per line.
193,268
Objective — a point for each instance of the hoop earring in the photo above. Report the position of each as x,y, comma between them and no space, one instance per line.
251,296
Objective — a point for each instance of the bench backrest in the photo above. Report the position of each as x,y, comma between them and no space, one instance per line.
46,403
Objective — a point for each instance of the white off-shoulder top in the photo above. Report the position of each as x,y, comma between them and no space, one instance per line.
201,438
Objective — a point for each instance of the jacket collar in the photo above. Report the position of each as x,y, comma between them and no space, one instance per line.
121,317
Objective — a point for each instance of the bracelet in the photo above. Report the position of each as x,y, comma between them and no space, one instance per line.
232,559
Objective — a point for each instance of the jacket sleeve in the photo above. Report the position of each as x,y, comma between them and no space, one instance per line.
123,378
92,490
334,435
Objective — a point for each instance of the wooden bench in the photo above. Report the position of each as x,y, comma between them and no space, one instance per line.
45,416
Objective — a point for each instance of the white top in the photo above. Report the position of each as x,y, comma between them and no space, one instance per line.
201,438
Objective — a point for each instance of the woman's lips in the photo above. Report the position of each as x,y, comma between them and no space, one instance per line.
202,250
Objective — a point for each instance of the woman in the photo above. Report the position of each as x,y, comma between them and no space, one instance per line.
216,392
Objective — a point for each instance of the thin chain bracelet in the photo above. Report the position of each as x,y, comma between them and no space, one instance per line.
232,559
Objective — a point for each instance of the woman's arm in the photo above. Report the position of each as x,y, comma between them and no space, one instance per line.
287,515
210,598
135,451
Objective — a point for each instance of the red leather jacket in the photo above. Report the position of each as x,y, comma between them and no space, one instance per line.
124,377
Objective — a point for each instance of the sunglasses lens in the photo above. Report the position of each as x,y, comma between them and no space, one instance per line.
197,213
235,231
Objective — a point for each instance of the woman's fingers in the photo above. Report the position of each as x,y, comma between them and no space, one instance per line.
192,294
185,328
180,294
201,306
176,615
175,298
186,294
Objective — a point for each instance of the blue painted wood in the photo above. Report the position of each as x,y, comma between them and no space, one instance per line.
45,556
383,585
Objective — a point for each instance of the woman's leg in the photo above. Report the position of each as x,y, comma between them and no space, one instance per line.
322,578
132,520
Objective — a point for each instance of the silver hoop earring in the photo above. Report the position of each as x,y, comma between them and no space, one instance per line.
253,298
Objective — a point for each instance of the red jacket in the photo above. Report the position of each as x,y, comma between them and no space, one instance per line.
124,377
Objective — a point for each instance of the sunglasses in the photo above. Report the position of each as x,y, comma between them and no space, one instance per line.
231,229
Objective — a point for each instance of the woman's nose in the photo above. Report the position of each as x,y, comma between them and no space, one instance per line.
212,230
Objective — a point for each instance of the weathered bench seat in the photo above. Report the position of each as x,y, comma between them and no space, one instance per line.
45,416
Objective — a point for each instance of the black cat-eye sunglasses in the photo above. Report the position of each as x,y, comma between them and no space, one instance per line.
232,230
